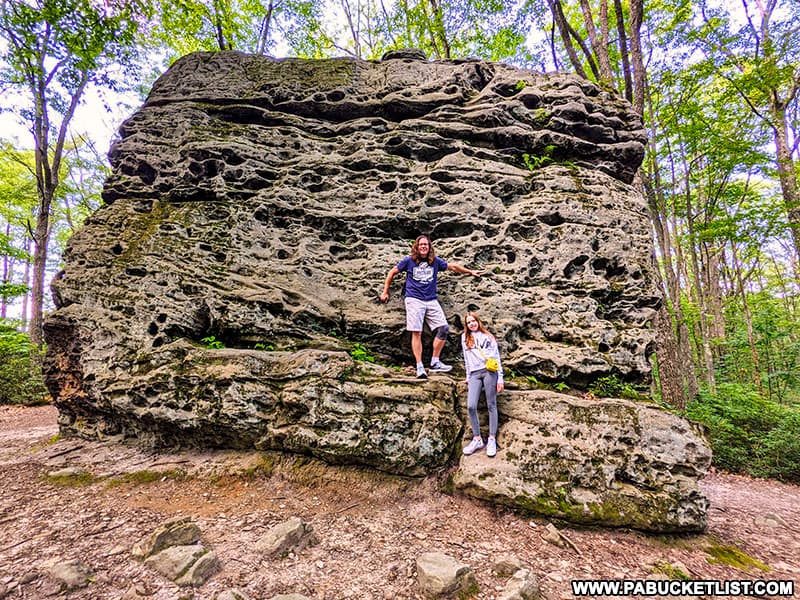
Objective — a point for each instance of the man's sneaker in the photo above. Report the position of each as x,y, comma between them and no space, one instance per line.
440,367
491,447
421,374
475,444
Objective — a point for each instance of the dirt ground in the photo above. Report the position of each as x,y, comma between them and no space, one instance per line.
371,527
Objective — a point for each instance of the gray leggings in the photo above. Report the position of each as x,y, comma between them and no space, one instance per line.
488,381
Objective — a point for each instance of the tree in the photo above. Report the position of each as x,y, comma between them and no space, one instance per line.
760,60
18,192
56,48
255,26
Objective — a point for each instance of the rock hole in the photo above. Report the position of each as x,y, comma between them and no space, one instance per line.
282,254
146,173
136,271
442,176
152,329
511,256
117,249
553,219
602,347
575,266
161,318
262,215
387,186
336,96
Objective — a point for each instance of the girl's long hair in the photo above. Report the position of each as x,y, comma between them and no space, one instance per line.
469,341
415,250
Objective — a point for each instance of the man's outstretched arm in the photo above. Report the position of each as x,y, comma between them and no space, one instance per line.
387,283
464,270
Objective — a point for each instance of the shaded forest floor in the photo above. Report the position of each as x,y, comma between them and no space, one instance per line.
371,527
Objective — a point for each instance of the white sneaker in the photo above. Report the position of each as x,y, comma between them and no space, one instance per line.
491,447
475,444
440,367
421,373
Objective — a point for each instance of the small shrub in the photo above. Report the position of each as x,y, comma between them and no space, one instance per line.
21,379
534,162
212,343
359,352
611,387
750,434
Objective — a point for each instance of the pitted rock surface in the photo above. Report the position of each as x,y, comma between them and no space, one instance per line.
613,462
255,206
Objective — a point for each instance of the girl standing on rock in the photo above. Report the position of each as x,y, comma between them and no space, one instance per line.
484,371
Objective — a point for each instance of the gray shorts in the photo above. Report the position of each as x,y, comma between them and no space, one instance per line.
419,312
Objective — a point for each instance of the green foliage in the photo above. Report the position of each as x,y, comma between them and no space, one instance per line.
360,352
20,369
253,26
212,343
263,346
533,162
611,387
750,434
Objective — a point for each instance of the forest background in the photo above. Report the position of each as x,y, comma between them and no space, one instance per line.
717,84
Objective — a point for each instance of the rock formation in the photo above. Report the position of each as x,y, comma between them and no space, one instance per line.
255,206
615,461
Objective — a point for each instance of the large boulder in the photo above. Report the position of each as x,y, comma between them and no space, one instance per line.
223,293
609,462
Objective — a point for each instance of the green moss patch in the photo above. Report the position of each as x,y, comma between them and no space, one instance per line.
732,556
80,479
143,477
674,573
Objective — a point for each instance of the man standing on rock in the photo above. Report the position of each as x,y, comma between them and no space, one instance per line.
422,269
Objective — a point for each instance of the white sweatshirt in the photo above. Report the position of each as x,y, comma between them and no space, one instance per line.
473,360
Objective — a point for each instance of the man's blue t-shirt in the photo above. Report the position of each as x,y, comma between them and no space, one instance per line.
421,277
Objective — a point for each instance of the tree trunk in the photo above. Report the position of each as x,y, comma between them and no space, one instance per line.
681,366
41,239
699,296
639,75
26,280
566,37
751,340
6,275
787,172
622,42
599,42
667,354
